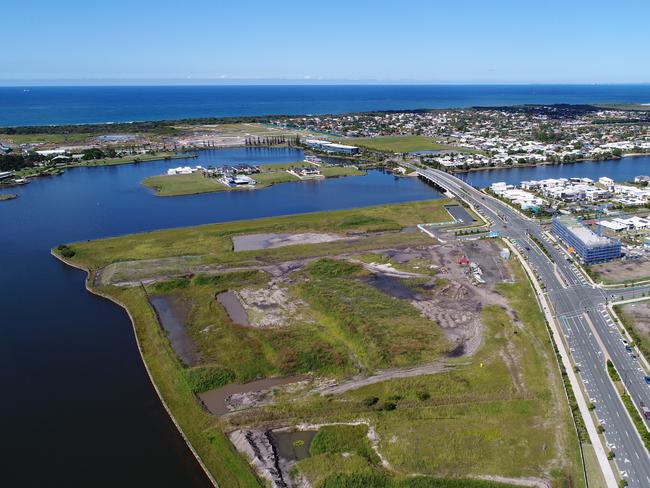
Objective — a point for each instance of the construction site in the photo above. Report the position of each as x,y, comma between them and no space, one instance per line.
360,324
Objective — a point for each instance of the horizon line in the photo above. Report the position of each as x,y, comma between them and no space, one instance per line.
96,82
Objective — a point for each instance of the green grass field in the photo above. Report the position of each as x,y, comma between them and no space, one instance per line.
402,144
363,318
336,171
273,178
214,240
285,166
174,185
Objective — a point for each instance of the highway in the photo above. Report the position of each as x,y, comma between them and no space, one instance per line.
581,312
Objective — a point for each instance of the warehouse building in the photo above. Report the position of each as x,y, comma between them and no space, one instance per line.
587,245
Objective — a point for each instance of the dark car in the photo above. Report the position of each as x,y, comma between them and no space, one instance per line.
647,379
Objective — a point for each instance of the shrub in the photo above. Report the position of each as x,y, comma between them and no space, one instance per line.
423,395
370,401
330,268
164,286
65,251
207,378
389,406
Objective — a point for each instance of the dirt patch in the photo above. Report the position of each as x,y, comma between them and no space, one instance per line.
254,242
331,387
256,445
456,303
639,313
271,306
456,308
172,313
620,271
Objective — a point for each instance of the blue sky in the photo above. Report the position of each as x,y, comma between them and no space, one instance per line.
460,41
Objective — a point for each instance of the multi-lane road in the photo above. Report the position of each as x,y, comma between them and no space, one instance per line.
581,312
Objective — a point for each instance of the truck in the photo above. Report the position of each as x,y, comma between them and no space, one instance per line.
645,410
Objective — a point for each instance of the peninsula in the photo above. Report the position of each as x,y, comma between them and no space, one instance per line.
347,348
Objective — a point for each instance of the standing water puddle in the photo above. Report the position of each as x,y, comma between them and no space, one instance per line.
171,312
391,286
293,445
233,306
215,400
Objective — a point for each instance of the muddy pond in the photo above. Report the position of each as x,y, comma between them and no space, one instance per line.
236,311
217,400
293,445
172,312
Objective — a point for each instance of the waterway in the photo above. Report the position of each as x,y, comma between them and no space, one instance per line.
618,169
77,408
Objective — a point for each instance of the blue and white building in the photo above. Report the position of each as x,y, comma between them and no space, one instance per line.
590,247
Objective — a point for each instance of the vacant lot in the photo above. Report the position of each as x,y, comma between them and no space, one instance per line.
620,271
636,318
401,144
172,185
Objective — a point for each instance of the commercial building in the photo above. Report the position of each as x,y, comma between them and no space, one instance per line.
588,246
328,146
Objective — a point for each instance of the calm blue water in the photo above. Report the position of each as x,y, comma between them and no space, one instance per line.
68,105
620,170
75,398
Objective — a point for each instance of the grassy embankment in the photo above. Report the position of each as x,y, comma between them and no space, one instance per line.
178,383
271,174
139,158
502,412
402,144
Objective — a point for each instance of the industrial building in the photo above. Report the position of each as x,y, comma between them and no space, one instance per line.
328,146
589,247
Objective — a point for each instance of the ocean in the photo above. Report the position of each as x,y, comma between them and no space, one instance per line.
44,105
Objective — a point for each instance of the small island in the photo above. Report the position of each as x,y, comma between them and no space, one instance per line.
7,196
190,181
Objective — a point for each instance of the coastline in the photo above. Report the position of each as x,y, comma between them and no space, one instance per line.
114,300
